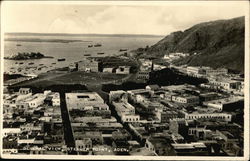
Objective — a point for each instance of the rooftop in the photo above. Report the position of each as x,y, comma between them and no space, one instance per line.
228,100
138,91
123,105
82,99
191,145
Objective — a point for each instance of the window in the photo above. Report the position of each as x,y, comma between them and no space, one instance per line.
82,96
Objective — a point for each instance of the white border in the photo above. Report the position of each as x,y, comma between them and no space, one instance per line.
106,157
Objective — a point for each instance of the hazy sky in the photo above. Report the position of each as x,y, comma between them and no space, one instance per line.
115,17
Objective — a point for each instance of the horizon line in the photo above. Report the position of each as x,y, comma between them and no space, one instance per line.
77,34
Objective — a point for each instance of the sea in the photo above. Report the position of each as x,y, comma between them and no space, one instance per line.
71,52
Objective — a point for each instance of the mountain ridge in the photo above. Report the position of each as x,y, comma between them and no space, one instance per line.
217,44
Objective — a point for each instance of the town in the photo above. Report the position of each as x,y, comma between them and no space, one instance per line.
173,120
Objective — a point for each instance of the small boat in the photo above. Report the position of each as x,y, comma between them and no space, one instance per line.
18,45
31,63
16,63
98,45
100,53
123,50
86,54
62,59
90,46
21,63
40,64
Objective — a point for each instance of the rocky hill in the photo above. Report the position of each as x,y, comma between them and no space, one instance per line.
215,44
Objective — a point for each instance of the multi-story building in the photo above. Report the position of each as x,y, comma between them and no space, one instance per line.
206,71
25,91
143,75
214,115
126,111
226,104
165,116
226,83
185,98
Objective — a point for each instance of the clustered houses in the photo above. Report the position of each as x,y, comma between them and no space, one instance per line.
218,79
32,123
181,120
93,126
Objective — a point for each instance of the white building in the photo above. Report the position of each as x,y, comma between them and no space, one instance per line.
189,99
11,131
206,71
225,83
25,91
123,70
126,111
56,99
130,118
197,115
152,87
83,100
223,103
36,100
108,70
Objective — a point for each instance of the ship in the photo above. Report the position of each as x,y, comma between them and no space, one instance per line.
31,63
18,45
97,45
123,50
100,53
61,59
90,46
86,54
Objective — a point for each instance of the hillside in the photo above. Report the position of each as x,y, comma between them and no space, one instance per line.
217,44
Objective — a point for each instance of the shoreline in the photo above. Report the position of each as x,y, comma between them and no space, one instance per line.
45,57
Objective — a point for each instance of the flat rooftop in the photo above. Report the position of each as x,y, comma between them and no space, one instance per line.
138,91
123,105
227,100
82,99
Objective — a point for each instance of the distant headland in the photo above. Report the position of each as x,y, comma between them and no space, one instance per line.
27,56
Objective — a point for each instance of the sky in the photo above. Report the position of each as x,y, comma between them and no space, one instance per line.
157,18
